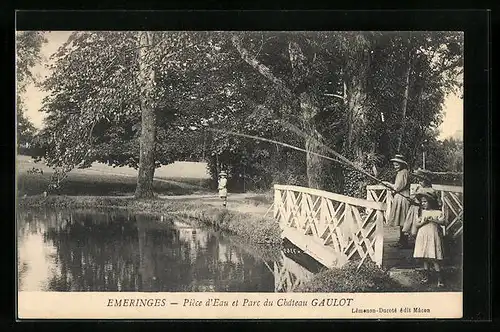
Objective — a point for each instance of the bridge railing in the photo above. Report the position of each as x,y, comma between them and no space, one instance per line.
352,227
451,203
289,275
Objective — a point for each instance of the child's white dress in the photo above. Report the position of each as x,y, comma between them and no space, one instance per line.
429,240
222,187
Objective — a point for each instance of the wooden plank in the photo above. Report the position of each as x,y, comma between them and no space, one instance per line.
375,187
453,189
455,221
456,199
379,235
450,206
440,187
277,204
459,231
336,197
313,247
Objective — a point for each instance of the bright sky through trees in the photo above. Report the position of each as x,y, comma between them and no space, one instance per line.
453,107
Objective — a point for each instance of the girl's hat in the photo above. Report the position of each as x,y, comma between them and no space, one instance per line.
419,173
399,158
223,173
429,194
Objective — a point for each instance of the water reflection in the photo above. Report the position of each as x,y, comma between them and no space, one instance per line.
117,251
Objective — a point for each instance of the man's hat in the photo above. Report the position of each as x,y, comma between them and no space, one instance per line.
399,158
223,173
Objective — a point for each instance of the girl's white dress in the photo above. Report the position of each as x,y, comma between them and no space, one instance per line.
429,241
222,187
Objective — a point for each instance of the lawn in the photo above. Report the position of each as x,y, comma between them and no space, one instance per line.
181,178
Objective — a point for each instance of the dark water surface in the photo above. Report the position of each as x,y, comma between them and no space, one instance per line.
119,251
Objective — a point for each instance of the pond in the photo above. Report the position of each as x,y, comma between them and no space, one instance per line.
83,250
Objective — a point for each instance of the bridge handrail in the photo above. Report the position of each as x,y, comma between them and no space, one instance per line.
440,187
335,197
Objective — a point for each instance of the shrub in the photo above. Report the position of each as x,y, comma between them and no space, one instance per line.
348,279
446,178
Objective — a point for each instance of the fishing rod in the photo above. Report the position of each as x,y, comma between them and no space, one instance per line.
347,161
338,155
269,141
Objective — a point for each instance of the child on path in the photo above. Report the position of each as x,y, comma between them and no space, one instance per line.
400,203
222,187
429,241
410,226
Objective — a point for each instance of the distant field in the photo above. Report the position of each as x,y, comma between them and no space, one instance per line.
101,180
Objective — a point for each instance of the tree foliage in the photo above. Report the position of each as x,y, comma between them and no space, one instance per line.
28,47
360,93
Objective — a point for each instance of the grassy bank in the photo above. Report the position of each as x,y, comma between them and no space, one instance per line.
371,278
258,229
348,279
255,229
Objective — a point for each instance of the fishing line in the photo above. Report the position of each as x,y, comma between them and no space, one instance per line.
338,155
343,160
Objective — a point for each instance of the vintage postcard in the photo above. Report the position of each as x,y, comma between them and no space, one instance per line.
249,174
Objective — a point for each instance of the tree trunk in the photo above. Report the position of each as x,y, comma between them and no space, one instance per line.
307,105
356,97
259,67
308,111
404,103
355,74
416,145
314,163
144,187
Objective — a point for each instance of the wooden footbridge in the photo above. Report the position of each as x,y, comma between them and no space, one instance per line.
333,228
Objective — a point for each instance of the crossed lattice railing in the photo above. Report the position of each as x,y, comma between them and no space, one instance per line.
352,227
451,199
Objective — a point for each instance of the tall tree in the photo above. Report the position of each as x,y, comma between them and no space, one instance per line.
404,100
113,98
298,69
28,48
390,86
146,82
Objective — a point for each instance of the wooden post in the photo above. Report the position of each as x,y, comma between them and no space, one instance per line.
444,211
277,203
389,203
379,242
